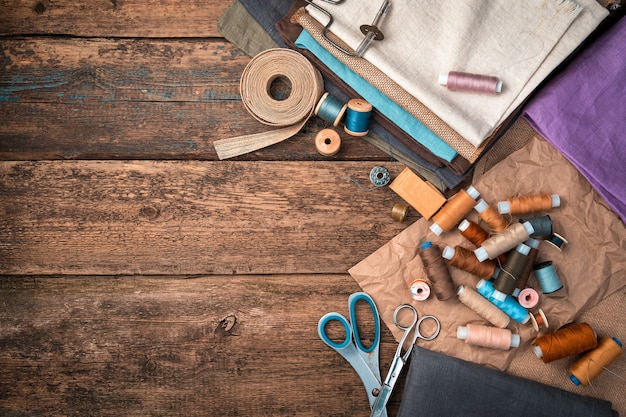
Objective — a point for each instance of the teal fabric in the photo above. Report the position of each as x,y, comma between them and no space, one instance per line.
403,119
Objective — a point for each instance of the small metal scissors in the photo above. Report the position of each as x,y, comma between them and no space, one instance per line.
363,359
380,406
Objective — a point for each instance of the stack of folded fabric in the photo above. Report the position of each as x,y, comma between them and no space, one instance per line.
439,133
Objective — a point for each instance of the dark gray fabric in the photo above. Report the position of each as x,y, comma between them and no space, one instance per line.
440,385
268,14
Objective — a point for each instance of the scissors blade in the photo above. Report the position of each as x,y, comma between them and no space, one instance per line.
379,409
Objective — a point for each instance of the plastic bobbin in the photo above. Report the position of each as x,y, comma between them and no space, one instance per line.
528,297
399,212
380,176
327,142
420,290
539,320
556,240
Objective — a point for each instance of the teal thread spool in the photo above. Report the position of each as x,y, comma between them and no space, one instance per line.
509,306
358,116
330,109
547,277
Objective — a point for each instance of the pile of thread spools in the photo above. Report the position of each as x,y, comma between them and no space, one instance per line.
355,114
503,256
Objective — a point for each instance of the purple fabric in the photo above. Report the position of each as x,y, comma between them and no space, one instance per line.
582,113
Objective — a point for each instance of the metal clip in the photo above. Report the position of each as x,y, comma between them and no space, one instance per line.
372,32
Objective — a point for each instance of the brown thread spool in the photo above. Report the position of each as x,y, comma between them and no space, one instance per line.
399,212
463,258
504,241
587,368
453,211
437,271
539,319
490,337
565,342
511,271
490,215
471,231
531,203
483,307
532,257
327,142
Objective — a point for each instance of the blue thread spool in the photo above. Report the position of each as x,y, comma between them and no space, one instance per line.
330,108
542,226
556,240
358,117
509,306
547,277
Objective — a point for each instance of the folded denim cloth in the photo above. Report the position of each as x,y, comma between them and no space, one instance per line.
440,385
581,112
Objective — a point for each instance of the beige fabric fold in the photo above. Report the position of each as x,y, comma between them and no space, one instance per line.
518,42
390,88
591,266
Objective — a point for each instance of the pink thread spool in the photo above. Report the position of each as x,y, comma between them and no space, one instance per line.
528,298
463,81
490,337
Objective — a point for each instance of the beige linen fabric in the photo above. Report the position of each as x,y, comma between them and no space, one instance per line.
519,42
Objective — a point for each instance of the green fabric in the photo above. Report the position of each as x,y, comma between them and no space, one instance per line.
240,28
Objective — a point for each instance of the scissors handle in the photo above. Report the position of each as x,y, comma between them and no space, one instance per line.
352,300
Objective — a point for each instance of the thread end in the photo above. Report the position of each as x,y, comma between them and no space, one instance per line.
504,207
556,200
575,380
461,332
443,79
448,252
515,340
481,206
436,229
481,254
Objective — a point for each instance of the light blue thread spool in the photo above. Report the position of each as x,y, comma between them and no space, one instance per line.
330,108
547,277
358,117
509,306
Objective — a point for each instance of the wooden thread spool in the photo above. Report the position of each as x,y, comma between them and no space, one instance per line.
399,212
529,204
437,271
463,258
538,320
357,117
490,337
454,210
504,241
481,306
490,215
587,368
471,231
419,290
511,271
327,142
565,342
330,108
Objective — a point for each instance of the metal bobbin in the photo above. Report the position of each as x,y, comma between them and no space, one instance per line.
380,176
399,212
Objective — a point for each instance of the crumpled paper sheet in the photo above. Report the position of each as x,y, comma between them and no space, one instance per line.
591,266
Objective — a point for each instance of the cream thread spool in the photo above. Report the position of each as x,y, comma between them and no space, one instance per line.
483,307
327,142
504,241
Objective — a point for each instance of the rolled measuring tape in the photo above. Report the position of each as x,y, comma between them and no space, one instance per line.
290,114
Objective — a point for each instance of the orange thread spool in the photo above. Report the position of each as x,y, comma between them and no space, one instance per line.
587,368
471,231
453,211
565,342
490,215
463,258
531,203
437,271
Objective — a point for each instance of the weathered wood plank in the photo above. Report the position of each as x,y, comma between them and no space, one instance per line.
190,217
112,18
134,99
153,346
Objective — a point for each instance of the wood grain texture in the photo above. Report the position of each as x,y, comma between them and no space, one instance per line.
163,346
148,217
134,99
112,18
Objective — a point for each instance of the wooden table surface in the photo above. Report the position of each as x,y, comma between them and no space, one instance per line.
141,275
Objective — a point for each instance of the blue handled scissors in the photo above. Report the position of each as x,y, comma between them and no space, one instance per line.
363,359
379,408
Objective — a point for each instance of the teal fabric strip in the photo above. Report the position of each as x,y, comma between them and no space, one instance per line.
403,119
